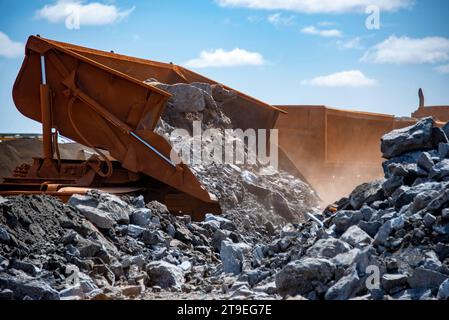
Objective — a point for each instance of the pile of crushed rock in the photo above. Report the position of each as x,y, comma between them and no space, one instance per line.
246,192
389,239
100,246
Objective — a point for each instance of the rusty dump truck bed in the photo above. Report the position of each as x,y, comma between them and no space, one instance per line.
335,149
99,99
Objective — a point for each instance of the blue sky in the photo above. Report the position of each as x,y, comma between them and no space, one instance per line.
280,51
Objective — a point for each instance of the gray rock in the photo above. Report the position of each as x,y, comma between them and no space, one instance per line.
367,213
418,136
429,220
440,202
3,201
98,217
256,276
138,260
269,288
414,294
23,286
138,202
87,285
328,248
346,259
118,209
218,237
186,266
344,219
135,231
366,193
386,229
27,267
6,294
302,276
153,237
69,237
225,224
443,291
258,254
141,217
185,97
231,255
371,228
393,281
102,209
171,231
221,94
391,184
425,161
432,262
4,235
203,86
440,170
165,275
425,278
445,214
75,291
84,200
446,129
182,233
422,200
345,288
438,136
443,150
361,258
280,205
356,237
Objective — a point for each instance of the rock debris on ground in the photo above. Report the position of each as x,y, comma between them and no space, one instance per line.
389,239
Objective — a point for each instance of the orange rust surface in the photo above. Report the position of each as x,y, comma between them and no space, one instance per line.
102,107
440,113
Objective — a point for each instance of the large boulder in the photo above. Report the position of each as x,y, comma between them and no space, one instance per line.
99,218
141,217
426,279
416,137
345,288
366,193
104,210
165,275
232,255
440,170
356,237
302,276
185,97
328,248
23,286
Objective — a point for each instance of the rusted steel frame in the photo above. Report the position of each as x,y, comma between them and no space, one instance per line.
70,83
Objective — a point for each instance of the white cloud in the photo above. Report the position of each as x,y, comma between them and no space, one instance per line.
318,6
405,50
326,24
89,14
354,43
329,33
9,48
279,20
352,78
444,69
223,58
